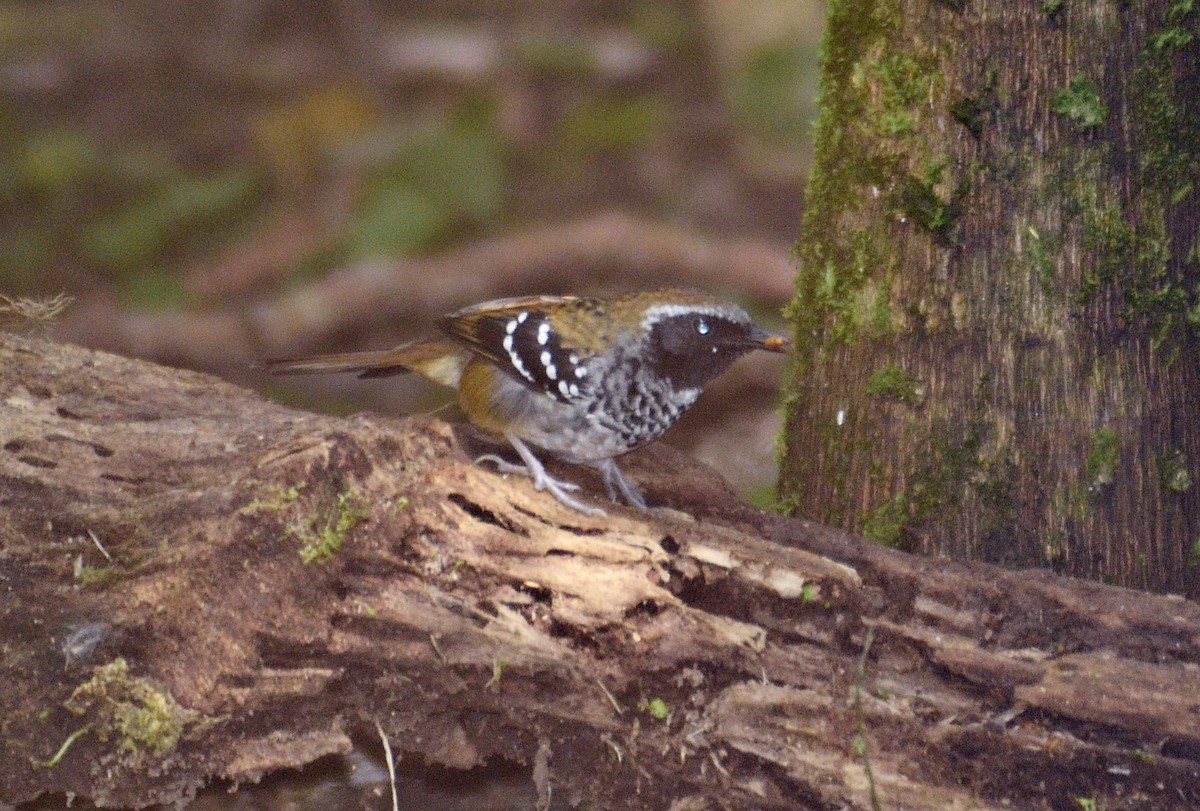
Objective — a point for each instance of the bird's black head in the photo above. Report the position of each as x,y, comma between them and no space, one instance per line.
692,345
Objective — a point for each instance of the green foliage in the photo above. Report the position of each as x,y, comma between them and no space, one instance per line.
28,250
119,210
153,291
662,26
433,183
137,234
395,218
1080,101
51,160
771,92
553,56
612,123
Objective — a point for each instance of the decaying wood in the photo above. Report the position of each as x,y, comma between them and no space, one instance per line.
152,528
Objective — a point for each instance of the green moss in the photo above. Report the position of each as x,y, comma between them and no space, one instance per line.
892,381
905,81
939,481
278,499
1080,101
1173,471
144,719
764,497
969,111
1136,261
1177,34
1038,255
1054,546
885,524
1171,38
847,162
325,533
1102,460
57,757
921,200
1052,8
658,709
98,576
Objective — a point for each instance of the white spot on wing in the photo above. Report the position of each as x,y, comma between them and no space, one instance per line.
522,317
543,333
511,326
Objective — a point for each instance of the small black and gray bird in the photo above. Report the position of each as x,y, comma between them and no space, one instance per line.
583,379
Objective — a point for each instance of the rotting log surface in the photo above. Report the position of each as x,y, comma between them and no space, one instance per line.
479,622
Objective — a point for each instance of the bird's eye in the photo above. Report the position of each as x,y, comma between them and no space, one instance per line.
702,326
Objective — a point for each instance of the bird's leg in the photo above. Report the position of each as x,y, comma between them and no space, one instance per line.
614,476
541,479
506,467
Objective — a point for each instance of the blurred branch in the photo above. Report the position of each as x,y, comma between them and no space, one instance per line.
606,250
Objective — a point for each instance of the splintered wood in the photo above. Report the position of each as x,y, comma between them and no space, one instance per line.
701,655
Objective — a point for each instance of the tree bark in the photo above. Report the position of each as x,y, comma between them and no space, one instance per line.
209,586
997,312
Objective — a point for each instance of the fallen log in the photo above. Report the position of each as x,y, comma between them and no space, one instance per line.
200,585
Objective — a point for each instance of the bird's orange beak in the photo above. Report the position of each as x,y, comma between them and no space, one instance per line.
769,340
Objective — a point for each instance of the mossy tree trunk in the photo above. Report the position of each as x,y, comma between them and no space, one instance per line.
997,314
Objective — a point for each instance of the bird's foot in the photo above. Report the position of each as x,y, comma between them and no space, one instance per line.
541,479
615,480
506,467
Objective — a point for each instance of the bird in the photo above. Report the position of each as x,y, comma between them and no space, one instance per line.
582,379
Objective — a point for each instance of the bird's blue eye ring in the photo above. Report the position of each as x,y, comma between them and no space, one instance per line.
702,326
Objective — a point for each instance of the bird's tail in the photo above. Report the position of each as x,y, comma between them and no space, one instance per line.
440,361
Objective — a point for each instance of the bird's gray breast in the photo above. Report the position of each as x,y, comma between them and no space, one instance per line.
635,405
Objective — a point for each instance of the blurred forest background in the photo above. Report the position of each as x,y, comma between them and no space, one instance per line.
177,168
